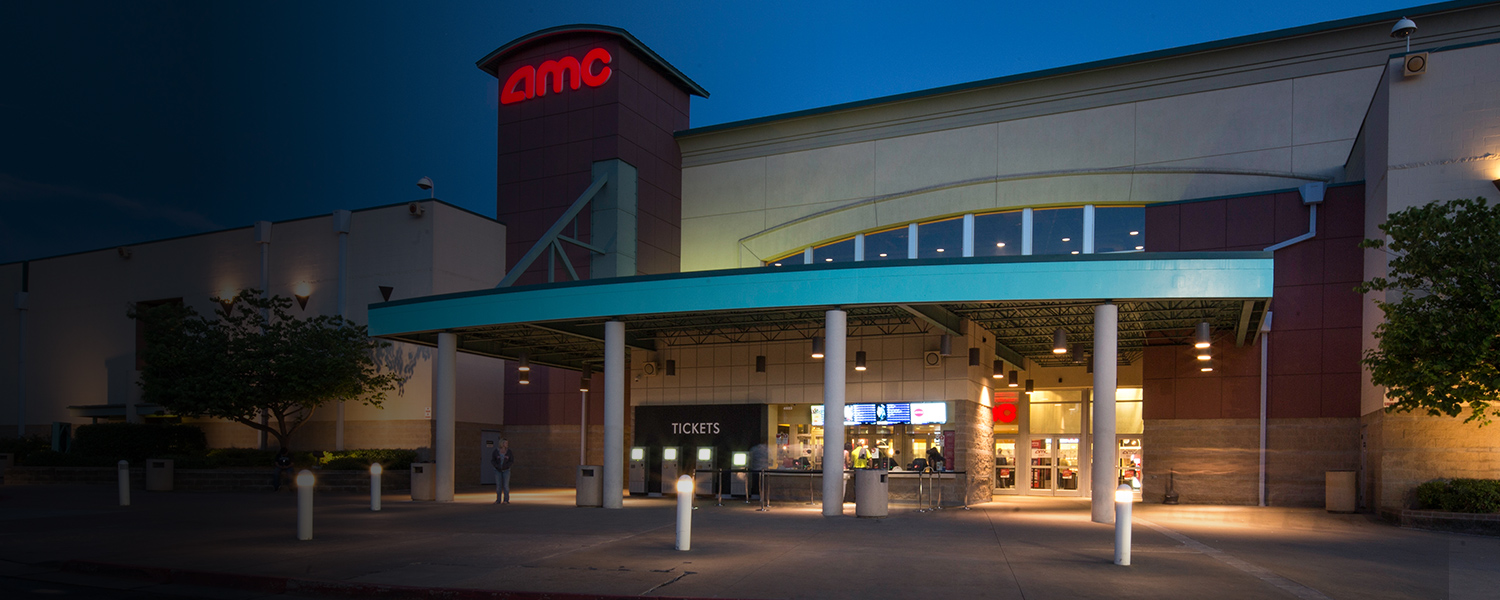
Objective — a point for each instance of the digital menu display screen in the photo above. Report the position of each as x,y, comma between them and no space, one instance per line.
893,413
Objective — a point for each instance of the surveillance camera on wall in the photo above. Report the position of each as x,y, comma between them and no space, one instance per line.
425,183
415,209
1403,28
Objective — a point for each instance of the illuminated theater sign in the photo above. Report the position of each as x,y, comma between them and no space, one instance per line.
529,82
895,413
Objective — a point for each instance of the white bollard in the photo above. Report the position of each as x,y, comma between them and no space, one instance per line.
1124,498
124,467
375,471
684,512
305,482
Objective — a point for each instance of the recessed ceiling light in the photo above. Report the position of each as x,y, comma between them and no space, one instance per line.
1135,233
778,264
1075,252
882,255
940,249
1140,247
827,260
1067,239
1000,245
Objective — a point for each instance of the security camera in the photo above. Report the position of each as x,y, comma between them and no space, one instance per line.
1403,28
426,182
415,209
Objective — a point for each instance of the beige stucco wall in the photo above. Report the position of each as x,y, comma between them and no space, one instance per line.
80,345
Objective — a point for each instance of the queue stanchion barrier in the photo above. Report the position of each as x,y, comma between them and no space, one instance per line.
939,477
765,493
921,480
966,489
747,487
809,487
718,488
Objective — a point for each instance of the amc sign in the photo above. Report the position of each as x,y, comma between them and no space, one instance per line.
529,82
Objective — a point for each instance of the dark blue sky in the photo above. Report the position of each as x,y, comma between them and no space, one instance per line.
126,122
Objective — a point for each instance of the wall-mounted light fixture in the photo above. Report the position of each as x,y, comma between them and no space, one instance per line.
583,382
859,360
671,368
1060,341
385,292
973,357
302,291
1497,183
227,298
760,364
817,346
945,345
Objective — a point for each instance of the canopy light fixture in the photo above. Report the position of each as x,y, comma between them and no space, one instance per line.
1206,366
525,377
525,362
1013,379
1203,336
859,360
817,346
973,357
945,343
1030,386
760,364
583,382
999,372
1060,341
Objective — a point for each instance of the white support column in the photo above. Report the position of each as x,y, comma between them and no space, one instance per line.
21,306
1088,229
1026,228
1106,334
341,220
859,247
911,240
968,235
835,324
444,402
583,428
807,255
263,239
614,414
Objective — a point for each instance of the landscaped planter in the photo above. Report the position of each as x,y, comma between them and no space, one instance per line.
1437,520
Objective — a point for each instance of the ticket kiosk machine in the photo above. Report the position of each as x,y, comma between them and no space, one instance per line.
669,460
638,471
739,479
704,473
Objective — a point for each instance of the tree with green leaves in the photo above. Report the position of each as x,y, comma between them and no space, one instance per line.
253,356
1439,346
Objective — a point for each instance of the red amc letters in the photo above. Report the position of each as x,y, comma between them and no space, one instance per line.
529,82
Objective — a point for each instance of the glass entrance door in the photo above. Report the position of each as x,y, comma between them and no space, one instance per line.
1128,463
1054,467
1005,465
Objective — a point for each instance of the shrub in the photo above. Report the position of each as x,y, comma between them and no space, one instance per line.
22,447
1460,495
48,458
137,442
389,458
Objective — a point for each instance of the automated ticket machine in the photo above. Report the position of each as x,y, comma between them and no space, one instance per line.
669,460
704,473
638,471
739,479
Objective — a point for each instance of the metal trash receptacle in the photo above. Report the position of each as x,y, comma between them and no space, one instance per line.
872,498
590,485
424,481
159,474
1339,492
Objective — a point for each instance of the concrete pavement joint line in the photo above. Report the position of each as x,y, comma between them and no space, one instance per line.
668,582
1003,555
1261,573
609,541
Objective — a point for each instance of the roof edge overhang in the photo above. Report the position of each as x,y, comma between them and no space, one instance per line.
1176,275
489,63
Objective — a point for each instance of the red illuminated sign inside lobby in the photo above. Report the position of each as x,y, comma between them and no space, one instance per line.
529,82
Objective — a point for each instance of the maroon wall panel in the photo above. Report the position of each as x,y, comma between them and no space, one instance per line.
548,144
1314,354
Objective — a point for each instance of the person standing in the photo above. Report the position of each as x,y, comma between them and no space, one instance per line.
502,460
760,460
935,458
283,465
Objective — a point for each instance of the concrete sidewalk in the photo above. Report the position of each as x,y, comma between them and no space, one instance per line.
1012,548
